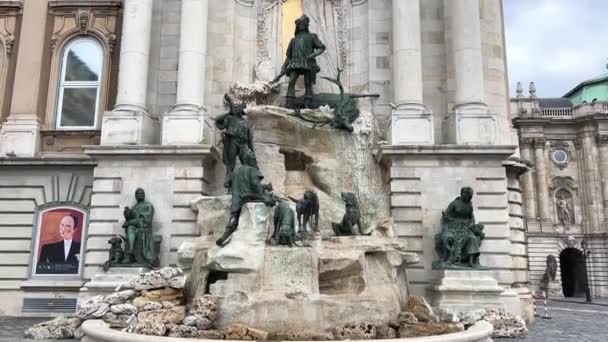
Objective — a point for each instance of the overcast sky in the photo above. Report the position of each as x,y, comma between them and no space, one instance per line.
555,43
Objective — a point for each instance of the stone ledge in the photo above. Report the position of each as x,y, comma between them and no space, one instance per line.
76,160
150,150
98,331
40,284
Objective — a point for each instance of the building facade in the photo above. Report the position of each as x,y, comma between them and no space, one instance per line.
101,97
565,194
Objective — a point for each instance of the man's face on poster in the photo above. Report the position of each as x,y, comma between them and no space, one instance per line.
66,227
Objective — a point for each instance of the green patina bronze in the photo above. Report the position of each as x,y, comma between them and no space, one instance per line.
460,238
302,51
237,137
284,225
351,218
142,248
246,188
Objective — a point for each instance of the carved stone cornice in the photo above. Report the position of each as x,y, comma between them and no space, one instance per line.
601,139
57,4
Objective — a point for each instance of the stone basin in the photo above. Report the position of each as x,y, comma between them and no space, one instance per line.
98,331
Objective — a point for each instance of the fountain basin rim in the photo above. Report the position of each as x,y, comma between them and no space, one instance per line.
99,331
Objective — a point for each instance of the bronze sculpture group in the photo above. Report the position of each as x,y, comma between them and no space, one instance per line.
457,244
142,247
459,240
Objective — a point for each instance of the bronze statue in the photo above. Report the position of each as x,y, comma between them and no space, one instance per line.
460,238
141,248
237,137
303,48
307,208
351,218
246,188
116,252
284,225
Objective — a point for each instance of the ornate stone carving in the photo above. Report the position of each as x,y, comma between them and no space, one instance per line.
83,22
578,142
526,141
560,154
565,182
601,139
539,142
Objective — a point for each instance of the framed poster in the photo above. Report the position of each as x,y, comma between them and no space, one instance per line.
58,241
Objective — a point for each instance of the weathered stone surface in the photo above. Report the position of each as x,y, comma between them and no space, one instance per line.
116,321
243,332
211,334
174,315
407,317
61,327
358,331
150,328
213,213
79,333
446,315
167,305
245,252
323,151
94,307
301,335
383,332
123,309
168,294
505,324
156,279
206,306
176,330
199,321
120,297
151,306
469,318
428,329
421,309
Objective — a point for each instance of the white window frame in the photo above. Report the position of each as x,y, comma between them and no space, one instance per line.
62,84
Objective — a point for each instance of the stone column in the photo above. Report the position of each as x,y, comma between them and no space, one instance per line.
20,134
542,187
602,143
470,122
527,184
410,122
185,124
129,123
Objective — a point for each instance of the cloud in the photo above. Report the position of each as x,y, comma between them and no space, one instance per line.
555,43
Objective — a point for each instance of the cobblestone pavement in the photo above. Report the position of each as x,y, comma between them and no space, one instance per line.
572,320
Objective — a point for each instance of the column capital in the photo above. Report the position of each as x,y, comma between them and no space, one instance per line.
540,142
601,139
526,141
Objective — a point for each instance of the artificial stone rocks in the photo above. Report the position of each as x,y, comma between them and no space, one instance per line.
94,307
59,328
164,277
429,329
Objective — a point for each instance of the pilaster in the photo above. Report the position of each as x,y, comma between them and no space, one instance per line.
542,186
602,144
527,185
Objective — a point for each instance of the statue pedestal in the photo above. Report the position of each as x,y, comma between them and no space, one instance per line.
107,282
465,290
553,289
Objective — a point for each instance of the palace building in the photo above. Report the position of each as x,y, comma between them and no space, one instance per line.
101,97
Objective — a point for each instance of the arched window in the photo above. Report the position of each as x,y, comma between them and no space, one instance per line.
80,84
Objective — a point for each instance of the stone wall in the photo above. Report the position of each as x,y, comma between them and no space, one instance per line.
23,188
